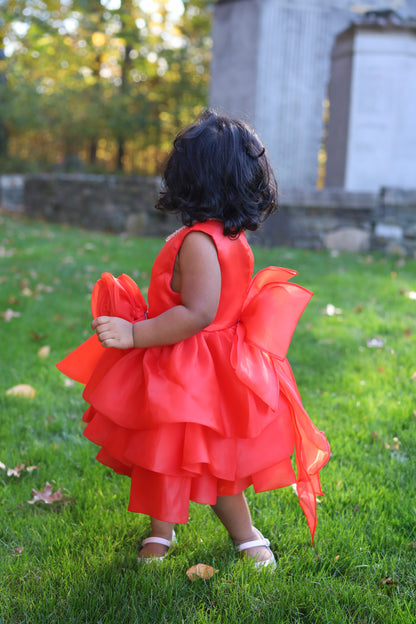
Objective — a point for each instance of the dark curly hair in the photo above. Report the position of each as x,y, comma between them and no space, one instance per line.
219,169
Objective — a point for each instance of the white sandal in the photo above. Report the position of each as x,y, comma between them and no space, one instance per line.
270,562
157,540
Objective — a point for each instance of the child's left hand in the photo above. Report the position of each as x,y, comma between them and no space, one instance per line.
113,331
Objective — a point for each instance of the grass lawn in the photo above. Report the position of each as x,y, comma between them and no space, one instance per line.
74,561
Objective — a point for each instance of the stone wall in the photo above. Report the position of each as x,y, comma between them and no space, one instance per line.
98,202
330,219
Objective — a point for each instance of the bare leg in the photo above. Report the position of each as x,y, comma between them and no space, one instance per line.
235,515
159,529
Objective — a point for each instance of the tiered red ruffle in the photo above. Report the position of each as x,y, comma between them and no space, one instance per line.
179,419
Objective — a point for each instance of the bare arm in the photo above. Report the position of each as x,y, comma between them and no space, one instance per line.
200,287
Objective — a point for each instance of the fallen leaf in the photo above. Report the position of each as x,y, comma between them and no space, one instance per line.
36,337
44,351
374,435
18,551
358,309
375,343
388,581
381,370
336,558
26,292
2,466
9,314
32,468
22,390
331,310
200,570
6,253
46,495
407,332
12,300
43,288
16,471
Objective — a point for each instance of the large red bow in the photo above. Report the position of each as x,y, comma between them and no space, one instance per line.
111,296
269,317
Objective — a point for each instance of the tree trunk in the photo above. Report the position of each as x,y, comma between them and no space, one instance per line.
120,155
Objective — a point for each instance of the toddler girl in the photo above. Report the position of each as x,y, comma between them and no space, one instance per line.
193,397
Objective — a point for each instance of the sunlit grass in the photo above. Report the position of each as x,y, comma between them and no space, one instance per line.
78,562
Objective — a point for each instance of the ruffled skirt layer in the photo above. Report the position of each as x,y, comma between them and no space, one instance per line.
205,417
196,452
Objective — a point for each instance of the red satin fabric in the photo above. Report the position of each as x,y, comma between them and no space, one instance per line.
212,414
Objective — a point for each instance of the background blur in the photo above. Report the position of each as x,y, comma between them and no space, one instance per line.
99,86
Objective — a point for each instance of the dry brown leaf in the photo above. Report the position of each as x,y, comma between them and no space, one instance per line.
44,351
16,471
336,558
9,314
200,570
388,581
22,390
46,495
32,468
18,551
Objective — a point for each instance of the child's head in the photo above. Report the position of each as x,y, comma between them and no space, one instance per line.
219,169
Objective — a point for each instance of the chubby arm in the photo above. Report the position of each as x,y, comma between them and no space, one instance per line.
200,287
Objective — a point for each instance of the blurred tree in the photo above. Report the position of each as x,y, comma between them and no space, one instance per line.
105,83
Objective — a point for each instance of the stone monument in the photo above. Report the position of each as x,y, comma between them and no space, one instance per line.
372,123
271,65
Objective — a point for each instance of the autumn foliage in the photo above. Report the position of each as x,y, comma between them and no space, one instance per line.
99,86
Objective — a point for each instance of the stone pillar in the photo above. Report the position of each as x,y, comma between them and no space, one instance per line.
235,34
293,69
271,66
372,128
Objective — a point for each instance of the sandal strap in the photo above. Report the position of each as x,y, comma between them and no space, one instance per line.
253,544
156,540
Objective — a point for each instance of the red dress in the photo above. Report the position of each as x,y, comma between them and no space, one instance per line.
214,413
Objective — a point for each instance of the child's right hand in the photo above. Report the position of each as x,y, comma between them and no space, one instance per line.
113,331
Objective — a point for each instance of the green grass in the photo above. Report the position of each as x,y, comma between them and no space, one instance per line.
78,562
